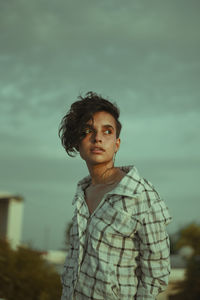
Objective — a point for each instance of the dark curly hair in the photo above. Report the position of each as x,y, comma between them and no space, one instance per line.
73,123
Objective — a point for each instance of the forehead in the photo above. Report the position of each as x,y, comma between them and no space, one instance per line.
102,118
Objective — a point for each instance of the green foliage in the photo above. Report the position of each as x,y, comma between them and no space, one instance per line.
25,275
189,288
190,236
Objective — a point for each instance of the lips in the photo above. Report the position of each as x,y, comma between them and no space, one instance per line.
97,150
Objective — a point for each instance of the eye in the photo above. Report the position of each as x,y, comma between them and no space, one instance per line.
108,131
87,130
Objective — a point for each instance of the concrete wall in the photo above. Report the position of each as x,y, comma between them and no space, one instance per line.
14,223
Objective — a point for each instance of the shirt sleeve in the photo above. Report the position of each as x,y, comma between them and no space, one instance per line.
154,258
66,272
67,275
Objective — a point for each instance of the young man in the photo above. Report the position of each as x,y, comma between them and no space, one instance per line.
119,247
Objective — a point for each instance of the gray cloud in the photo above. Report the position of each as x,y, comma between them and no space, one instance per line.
150,50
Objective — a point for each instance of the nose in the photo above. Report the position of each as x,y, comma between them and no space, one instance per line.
97,137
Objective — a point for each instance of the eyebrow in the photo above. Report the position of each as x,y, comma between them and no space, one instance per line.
108,126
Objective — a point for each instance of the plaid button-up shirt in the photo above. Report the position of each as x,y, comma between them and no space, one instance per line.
121,250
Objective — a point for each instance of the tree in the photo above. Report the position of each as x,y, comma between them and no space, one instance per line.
190,236
189,288
24,274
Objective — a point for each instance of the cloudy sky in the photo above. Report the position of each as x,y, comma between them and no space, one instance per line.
143,55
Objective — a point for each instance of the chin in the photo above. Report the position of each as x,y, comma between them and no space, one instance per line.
98,161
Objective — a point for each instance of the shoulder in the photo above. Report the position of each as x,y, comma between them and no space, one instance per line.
141,197
135,183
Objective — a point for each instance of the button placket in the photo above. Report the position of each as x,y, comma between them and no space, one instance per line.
82,218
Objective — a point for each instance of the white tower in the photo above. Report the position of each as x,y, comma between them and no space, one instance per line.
11,210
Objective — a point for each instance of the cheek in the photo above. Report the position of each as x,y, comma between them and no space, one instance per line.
84,147
113,146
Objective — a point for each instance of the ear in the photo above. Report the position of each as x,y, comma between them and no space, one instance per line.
117,144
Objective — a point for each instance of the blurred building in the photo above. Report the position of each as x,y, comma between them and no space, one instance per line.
56,258
11,212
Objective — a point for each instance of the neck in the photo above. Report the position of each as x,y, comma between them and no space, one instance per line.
102,173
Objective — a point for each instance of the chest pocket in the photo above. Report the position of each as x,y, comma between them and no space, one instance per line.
113,221
112,231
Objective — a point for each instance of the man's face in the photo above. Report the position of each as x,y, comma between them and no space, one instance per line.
100,142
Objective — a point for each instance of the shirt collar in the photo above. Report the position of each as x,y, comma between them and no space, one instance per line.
128,186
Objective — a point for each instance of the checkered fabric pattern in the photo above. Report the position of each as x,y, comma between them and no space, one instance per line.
121,250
